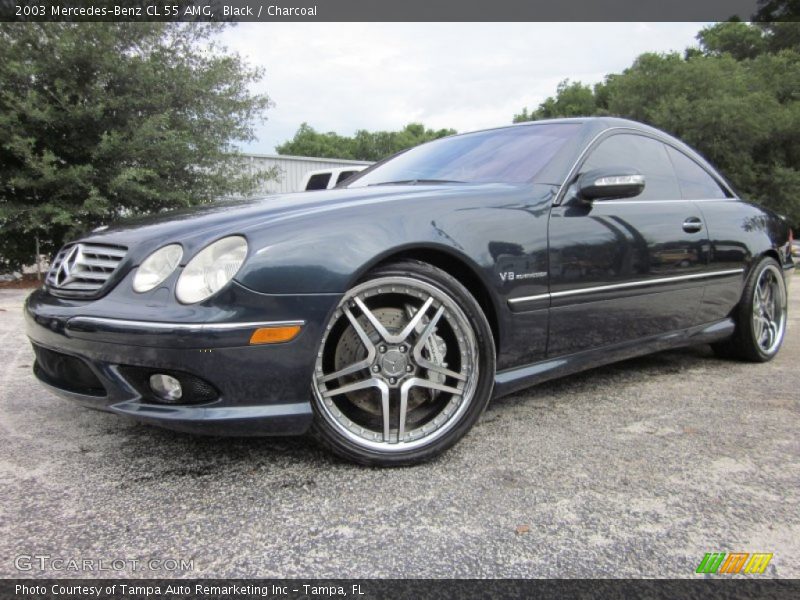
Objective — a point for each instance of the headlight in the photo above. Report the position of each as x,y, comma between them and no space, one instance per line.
157,267
212,268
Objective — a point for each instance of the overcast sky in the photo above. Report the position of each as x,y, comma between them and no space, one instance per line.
380,76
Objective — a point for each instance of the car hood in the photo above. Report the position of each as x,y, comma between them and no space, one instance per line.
202,223
195,227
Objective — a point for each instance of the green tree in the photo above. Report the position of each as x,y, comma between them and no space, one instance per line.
734,98
364,145
740,40
102,120
571,100
309,142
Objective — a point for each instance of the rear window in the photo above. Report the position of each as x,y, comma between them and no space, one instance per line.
318,181
508,155
695,182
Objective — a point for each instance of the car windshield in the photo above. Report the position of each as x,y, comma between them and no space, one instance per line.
508,155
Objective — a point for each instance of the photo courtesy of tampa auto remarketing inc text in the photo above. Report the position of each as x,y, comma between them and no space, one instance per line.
428,299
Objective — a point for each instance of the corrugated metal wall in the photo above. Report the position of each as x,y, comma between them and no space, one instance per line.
292,169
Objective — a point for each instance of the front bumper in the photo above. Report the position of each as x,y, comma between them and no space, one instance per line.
261,389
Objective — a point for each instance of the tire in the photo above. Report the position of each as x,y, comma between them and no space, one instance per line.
405,368
760,316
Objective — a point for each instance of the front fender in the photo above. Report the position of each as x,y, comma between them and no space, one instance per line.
311,255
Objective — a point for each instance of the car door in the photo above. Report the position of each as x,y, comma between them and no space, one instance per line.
625,269
726,219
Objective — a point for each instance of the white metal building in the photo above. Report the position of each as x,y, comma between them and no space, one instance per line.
292,169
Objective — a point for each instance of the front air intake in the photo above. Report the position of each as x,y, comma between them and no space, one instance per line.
66,372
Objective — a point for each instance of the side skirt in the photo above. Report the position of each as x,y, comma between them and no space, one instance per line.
512,380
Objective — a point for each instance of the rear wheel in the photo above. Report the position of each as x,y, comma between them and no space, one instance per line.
760,316
405,368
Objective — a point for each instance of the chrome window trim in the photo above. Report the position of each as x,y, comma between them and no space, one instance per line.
632,201
571,173
625,285
149,326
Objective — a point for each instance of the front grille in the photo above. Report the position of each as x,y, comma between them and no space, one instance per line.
66,372
83,269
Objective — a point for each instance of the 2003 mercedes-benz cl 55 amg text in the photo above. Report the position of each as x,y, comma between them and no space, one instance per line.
384,314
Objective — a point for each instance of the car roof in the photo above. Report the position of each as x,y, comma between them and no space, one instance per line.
592,125
557,169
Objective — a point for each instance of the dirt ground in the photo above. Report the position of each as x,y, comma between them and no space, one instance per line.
632,470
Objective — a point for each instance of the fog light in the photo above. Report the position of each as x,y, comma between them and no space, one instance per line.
166,387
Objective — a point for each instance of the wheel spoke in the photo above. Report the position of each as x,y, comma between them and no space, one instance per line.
758,326
406,388
355,386
385,411
771,333
432,385
348,370
426,333
376,324
769,305
766,332
363,385
426,364
413,323
401,428
361,364
769,311
423,338
407,330
762,291
362,335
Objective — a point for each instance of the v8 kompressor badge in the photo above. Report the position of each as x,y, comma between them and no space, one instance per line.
512,276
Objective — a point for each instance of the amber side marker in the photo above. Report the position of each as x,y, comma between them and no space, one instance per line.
274,335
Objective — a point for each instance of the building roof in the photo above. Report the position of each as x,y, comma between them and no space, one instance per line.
306,158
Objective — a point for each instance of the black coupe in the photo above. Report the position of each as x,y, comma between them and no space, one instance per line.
383,315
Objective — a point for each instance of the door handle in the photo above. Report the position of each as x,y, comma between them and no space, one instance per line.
692,225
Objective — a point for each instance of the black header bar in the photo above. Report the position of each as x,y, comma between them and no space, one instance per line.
387,11
729,588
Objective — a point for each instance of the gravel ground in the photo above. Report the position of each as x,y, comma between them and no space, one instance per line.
632,470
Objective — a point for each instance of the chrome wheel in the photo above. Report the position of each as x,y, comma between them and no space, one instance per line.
398,365
769,310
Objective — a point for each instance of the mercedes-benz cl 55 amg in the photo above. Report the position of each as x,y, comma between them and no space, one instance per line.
384,314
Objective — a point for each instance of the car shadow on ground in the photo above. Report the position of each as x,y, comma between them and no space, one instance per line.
159,453
667,362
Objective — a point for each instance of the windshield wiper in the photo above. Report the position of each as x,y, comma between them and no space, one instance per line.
415,182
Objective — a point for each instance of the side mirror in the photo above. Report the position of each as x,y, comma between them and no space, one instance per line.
614,182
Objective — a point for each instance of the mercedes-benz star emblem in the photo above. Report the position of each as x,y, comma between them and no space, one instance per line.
66,269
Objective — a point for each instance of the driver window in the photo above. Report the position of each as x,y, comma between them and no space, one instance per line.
646,155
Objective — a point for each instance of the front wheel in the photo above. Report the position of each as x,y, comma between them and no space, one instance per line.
760,316
405,368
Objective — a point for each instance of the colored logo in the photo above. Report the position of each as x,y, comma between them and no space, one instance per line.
734,562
